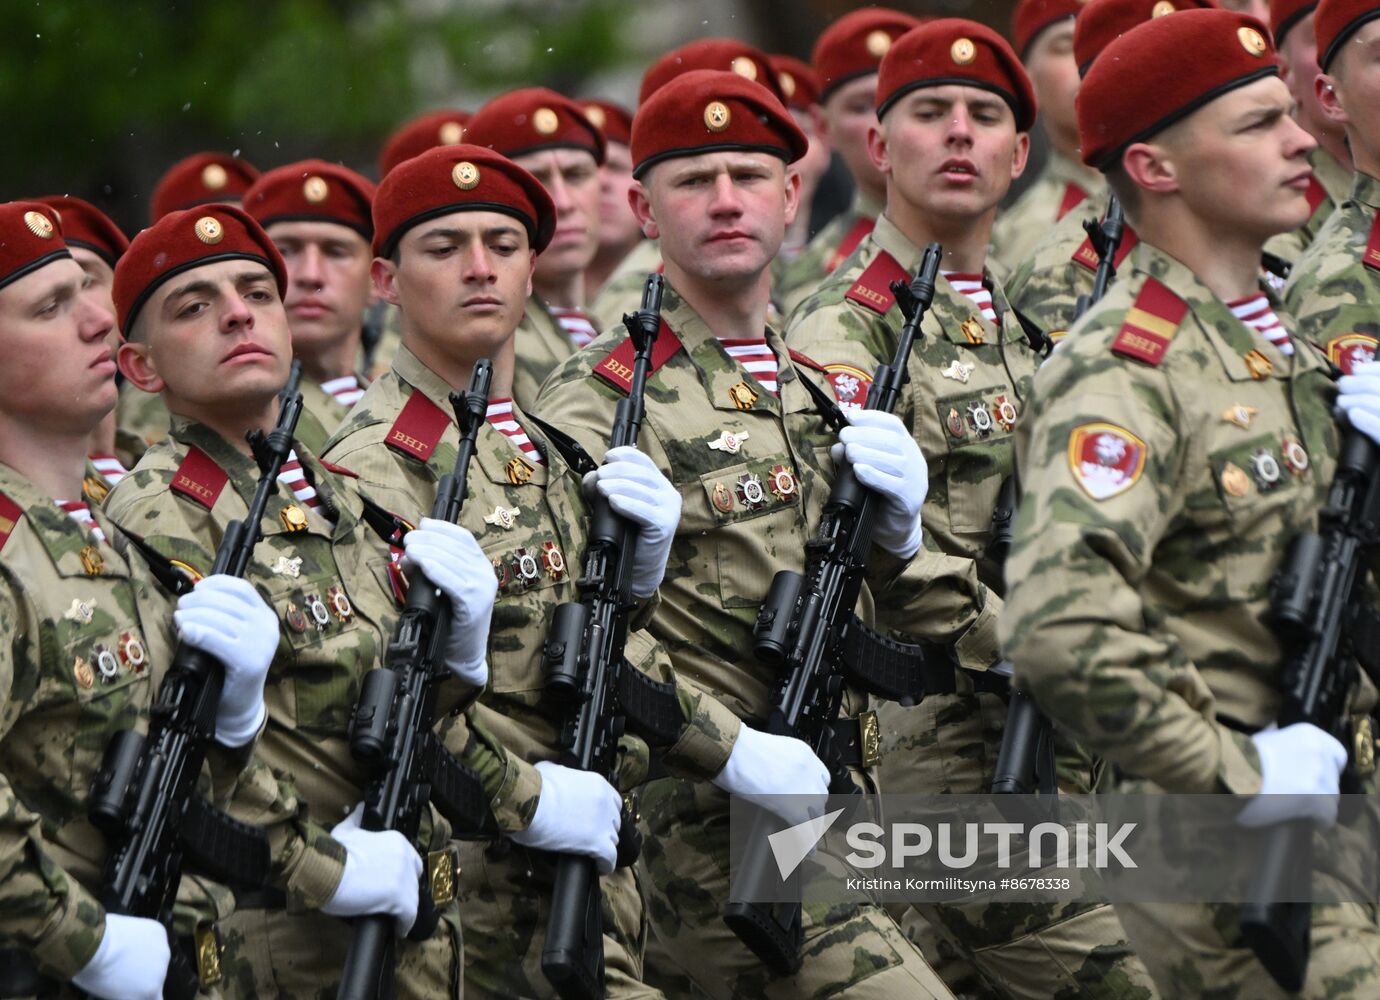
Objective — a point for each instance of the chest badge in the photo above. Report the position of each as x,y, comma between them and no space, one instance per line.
1295,457
957,370
502,573
1258,365
92,561
742,395
339,603
132,652
783,484
527,568
287,566
294,518
1266,469
502,517
1240,414
553,559
519,472
1234,480
106,665
980,419
728,442
320,616
750,491
81,611
294,617
723,500
954,424
95,489
1005,412
83,674
972,330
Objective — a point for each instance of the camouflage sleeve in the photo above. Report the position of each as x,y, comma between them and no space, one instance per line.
1075,626
512,785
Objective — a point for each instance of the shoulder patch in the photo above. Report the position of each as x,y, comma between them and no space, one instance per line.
617,367
872,290
855,235
418,428
1106,460
850,384
339,470
1351,349
199,478
1087,256
1372,257
10,513
1073,197
1150,324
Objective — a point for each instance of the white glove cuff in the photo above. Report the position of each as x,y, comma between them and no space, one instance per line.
241,729
474,673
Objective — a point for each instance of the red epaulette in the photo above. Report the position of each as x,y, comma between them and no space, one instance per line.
617,367
807,361
10,513
872,290
849,243
1073,197
1087,256
1316,194
1372,257
339,470
1150,324
418,428
199,478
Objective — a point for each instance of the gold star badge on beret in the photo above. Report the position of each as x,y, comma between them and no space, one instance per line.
744,67
544,120
39,225
213,175
787,84
877,43
963,51
1162,8
465,175
450,133
1251,40
596,115
717,116
209,230
315,189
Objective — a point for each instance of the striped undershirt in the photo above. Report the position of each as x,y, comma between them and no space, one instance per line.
500,414
576,324
754,355
346,389
972,285
1256,313
78,511
295,479
112,470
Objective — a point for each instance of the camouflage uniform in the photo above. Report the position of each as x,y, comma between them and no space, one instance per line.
540,348
1062,188
1329,186
331,588
1137,612
826,251
141,415
748,509
622,292
968,380
1334,287
530,519
322,413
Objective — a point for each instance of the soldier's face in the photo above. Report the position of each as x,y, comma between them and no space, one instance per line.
1354,98
718,215
571,177
59,371
812,166
1054,74
100,283
461,280
328,282
950,152
1298,66
212,338
617,225
848,115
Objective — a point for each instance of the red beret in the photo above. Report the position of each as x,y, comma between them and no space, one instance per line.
30,237
854,45
85,225
725,54
708,111
1034,16
182,241
1338,20
797,81
457,178
201,179
614,120
1103,21
313,191
532,119
1284,14
1161,71
435,128
954,50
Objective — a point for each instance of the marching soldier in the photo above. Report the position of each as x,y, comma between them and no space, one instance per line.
1175,445
619,233
800,86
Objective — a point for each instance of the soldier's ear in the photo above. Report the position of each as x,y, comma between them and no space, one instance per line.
792,181
531,270
1022,154
136,365
876,149
641,206
384,275
1325,86
1148,166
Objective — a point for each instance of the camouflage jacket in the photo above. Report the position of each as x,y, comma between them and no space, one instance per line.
540,347
1171,457
1061,189
753,474
968,382
622,292
141,414
1330,185
825,252
322,413
530,520
1335,286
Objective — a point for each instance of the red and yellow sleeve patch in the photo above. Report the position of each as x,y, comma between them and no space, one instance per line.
1351,349
850,385
1106,460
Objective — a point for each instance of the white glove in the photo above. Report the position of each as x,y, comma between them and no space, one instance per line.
886,459
225,617
636,489
452,560
1359,396
382,871
578,813
779,766
130,962
1299,770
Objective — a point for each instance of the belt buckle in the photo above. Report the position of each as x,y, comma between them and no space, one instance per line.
442,871
1363,745
206,939
869,739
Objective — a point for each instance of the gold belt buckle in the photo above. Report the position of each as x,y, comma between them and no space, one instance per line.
208,947
1363,745
442,871
869,739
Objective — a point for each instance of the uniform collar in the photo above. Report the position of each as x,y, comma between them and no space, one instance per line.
62,538
1064,170
1335,179
865,205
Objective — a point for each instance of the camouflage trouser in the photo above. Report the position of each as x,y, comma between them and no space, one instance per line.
849,949
505,897
273,953
948,744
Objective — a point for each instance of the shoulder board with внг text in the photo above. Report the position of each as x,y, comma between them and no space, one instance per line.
199,478
872,290
10,513
617,367
1150,324
1372,257
418,428
1087,256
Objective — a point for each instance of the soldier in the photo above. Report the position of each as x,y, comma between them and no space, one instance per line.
800,86
1043,35
619,233
846,57
1172,453
87,637
435,128
456,231
729,422
200,298
954,105
1334,286
318,216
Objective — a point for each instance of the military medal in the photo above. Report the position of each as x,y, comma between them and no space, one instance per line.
85,676
783,483
723,500
1005,413
742,395
132,652
294,617
502,517
1239,414
81,611
92,561
527,569
106,665
954,423
980,419
1294,456
553,559
971,329
519,472
287,566
957,370
320,617
340,606
1235,481
95,489
1363,744
1258,365
750,491
728,442
293,518
1266,469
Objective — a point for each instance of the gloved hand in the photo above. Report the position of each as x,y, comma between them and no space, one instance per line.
886,459
452,560
779,766
578,813
130,962
225,617
1299,770
636,489
381,873
1359,396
